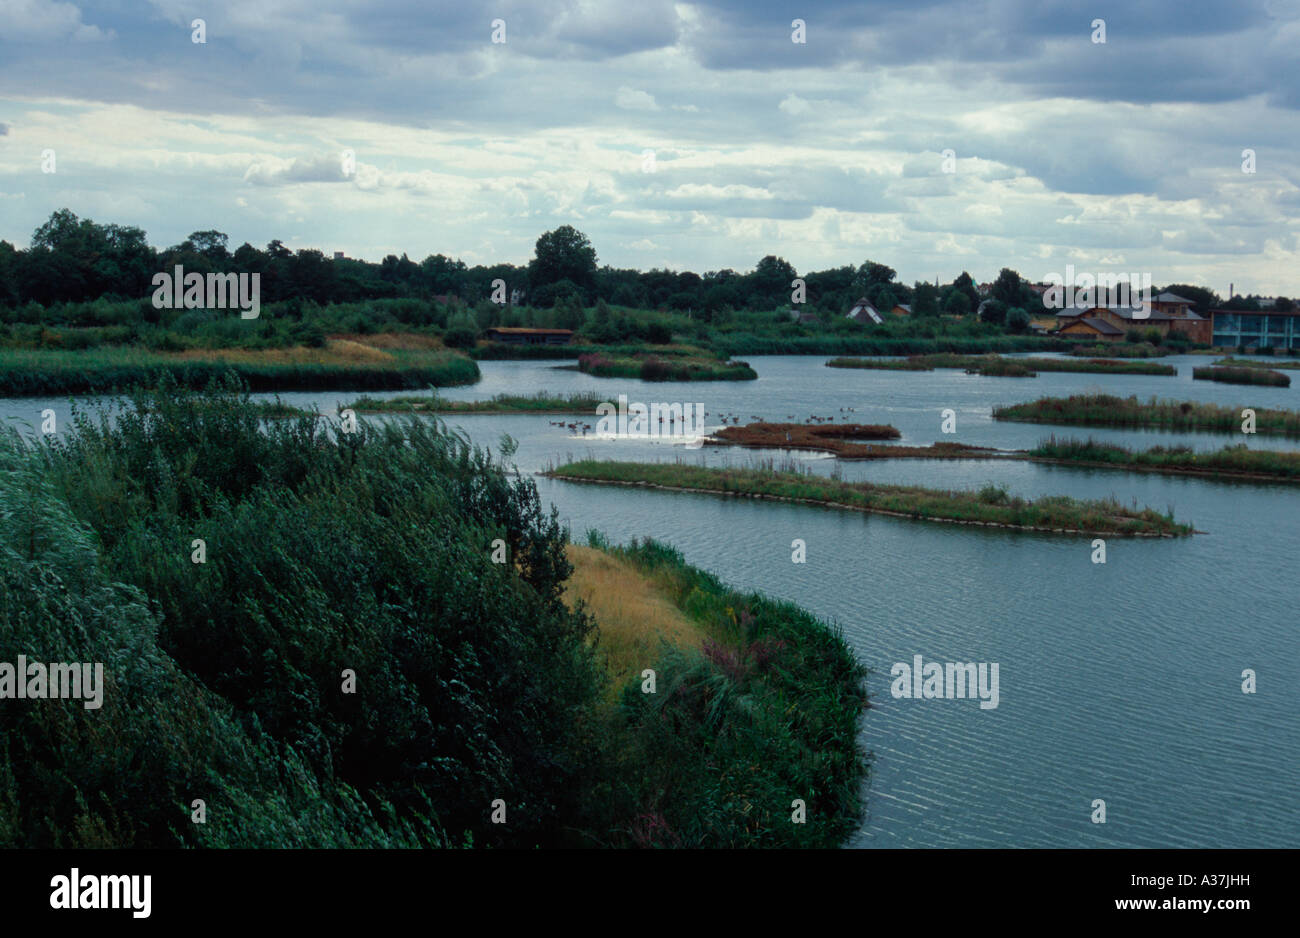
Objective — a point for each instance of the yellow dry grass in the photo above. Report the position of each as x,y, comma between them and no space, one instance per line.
632,613
393,340
335,352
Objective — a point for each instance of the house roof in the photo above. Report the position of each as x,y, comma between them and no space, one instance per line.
520,330
1132,313
863,310
1171,298
1099,325
905,307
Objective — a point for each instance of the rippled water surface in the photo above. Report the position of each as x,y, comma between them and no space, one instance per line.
1119,681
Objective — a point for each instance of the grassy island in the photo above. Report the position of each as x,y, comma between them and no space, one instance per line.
651,367
1230,462
839,439
539,403
1254,363
1000,366
1107,410
1242,375
992,506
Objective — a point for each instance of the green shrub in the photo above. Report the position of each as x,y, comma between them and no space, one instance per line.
324,550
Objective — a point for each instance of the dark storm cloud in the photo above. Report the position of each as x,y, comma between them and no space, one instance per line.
1162,50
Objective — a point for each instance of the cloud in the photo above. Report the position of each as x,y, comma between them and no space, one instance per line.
4,129
45,21
273,171
632,100
1064,148
793,104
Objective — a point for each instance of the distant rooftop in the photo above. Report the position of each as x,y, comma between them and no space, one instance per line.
524,330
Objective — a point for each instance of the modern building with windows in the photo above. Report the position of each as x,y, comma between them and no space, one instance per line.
1256,329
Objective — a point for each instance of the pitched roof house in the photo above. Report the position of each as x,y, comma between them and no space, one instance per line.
1172,317
1089,326
863,312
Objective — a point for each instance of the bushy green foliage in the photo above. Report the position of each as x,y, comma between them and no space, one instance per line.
370,551
125,774
325,550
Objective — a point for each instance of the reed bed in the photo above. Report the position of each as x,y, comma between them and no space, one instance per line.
1108,410
1251,375
991,506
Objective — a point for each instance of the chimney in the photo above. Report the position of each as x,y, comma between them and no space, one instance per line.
1231,294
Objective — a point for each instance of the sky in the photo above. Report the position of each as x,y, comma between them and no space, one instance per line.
934,136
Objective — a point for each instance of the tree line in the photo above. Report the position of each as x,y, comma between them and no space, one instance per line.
75,259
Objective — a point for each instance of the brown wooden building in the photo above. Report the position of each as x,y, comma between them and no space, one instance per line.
1165,316
1091,327
512,335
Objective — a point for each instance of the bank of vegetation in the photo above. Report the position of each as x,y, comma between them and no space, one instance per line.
1231,362
542,402
1108,410
306,628
991,506
343,364
844,440
756,703
999,366
1237,461
841,439
1260,376
1125,350
652,367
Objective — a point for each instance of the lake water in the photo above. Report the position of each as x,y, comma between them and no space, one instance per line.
1118,681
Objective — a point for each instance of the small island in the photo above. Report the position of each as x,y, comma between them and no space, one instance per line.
1000,366
991,506
1108,410
838,439
653,367
540,403
1242,375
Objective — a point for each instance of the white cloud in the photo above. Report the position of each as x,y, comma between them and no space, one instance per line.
45,21
629,99
794,105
